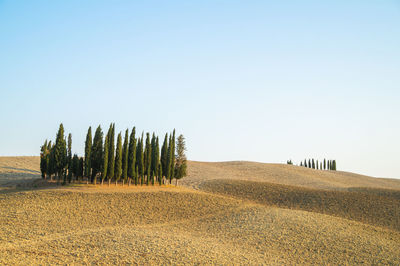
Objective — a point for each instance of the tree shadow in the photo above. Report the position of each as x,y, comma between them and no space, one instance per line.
21,169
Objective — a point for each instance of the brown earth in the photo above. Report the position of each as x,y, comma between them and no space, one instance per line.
229,222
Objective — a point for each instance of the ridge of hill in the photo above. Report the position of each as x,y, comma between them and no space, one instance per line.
284,174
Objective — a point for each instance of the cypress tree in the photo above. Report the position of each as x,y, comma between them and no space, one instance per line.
96,159
136,176
313,164
140,160
181,164
334,165
75,166
118,159
305,163
153,154
147,158
301,163
309,163
111,154
69,157
43,159
168,173
48,155
172,167
132,155
320,165
324,164
88,150
164,156
329,164
317,164
60,153
81,165
125,157
105,157
51,165
159,174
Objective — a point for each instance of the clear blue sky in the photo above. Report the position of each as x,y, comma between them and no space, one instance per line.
242,80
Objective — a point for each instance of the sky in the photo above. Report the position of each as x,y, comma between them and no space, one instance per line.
262,81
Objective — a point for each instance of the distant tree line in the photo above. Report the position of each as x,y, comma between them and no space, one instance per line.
319,165
138,160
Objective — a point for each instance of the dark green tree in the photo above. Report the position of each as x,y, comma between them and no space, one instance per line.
172,160
118,159
140,160
43,159
181,164
125,158
132,155
88,150
147,158
69,158
111,154
96,154
75,166
164,156
81,167
305,163
334,165
309,163
159,174
105,157
60,153
324,164
313,164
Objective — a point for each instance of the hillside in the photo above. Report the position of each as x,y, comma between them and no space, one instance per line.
239,213
282,174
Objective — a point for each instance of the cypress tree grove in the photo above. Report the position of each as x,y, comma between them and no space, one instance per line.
125,158
118,159
105,158
132,155
60,153
96,159
88,150
164,156
111,154
69,158
181,164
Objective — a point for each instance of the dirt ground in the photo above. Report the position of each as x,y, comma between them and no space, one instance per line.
209,220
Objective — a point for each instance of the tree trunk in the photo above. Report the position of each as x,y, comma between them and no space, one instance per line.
116,182
102,181
129,184
109,181
123,182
